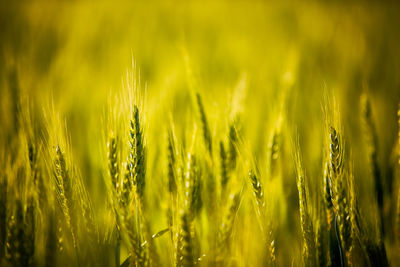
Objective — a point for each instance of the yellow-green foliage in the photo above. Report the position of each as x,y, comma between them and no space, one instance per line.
190,158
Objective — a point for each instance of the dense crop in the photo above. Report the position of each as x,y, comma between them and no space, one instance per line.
223,155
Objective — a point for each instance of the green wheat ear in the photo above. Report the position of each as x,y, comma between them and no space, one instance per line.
193,188
137,154
113,166
64,191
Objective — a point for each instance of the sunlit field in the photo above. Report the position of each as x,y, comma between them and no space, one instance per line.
226,133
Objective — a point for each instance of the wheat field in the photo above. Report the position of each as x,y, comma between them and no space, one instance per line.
172,133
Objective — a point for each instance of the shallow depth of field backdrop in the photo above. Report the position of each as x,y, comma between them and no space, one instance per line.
276,77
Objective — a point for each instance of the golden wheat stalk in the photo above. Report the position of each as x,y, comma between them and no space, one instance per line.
64,191
306,224
340,195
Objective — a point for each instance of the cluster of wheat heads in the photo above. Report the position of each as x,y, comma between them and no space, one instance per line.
203,200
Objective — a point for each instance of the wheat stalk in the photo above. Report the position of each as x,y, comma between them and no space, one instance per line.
372,145
305,219
258,192
113,167
137,159
339,193
64,191
184,255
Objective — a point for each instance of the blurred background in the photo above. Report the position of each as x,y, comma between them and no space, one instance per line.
76,54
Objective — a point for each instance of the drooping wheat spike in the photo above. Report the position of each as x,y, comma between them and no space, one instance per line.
258,193
223,165
113,167
327,197
305,219
172,172
193,200
204,124
137,155
3,214
184,254
64,190
232,153
225,231
372,145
